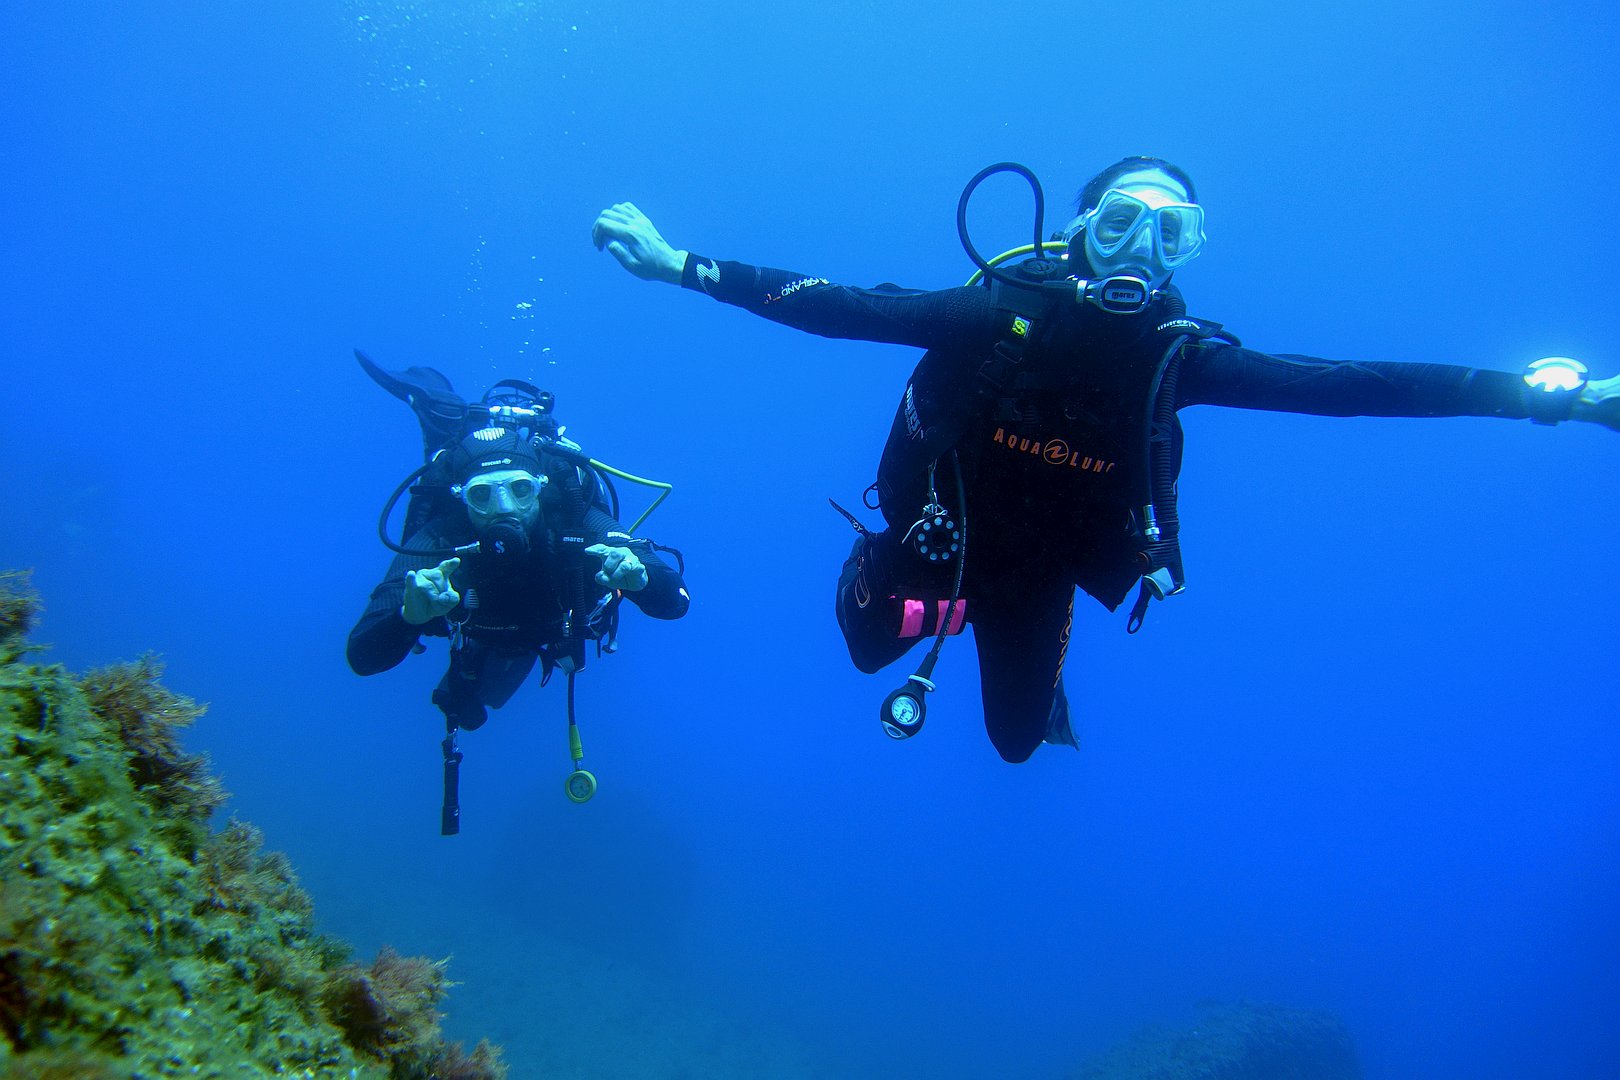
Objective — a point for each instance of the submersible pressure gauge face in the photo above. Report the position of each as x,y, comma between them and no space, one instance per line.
903,711
580,786
902,715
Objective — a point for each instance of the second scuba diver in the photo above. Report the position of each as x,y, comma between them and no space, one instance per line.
1046,403
511,551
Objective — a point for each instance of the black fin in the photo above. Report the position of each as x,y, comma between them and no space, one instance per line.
439,409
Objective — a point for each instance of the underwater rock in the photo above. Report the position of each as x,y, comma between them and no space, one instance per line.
137,941
1235,1042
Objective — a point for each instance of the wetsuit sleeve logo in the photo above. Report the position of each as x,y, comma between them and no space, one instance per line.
913,421
708,276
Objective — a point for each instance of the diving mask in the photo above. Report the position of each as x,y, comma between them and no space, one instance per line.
1146,233
507,492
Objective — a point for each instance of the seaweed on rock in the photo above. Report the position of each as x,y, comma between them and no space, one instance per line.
388,1010
135,941
149,718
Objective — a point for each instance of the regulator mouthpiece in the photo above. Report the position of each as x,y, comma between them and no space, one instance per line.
1119,295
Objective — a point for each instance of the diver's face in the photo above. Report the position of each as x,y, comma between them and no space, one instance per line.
1126,233
503,493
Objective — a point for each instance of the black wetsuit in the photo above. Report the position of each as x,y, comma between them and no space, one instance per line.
1047,475
515,608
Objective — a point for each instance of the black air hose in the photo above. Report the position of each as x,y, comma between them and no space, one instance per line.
1161,443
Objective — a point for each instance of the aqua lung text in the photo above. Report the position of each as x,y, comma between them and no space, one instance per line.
1053,452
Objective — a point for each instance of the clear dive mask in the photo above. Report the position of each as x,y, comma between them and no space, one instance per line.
503,492
1152,236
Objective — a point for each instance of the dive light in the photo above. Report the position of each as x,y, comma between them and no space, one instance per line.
1553,384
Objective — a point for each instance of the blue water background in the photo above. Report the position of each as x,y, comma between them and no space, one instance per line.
1367,763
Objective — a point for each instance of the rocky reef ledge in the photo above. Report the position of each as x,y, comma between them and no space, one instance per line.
137,940
1242,1041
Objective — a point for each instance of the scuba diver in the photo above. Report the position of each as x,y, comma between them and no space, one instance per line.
1036,445
512,551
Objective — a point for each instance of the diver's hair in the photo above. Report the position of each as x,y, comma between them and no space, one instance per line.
1092,193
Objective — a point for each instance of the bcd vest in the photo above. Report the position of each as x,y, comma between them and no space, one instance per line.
1074,404
541,599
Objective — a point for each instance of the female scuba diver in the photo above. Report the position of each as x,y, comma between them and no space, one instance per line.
1046,403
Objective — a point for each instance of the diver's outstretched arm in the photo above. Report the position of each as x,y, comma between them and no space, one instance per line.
964,318
1235,377
627,234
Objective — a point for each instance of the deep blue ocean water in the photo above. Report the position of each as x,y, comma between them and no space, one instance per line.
1366,764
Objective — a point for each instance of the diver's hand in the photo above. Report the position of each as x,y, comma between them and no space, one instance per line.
429,594
620,568
628,236
1599,403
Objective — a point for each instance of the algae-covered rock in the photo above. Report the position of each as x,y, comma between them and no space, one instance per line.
136,941
1235,1042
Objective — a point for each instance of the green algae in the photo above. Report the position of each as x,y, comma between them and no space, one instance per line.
135,940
